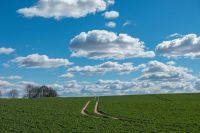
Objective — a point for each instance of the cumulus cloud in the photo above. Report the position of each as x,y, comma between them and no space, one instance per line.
69,88
110,24
4,50
12,77
102,44
25,83
6,65
4,83
67,75
111,14
124,68
40,61
156,77
187,46
117,87
19,86
197,84
175,35
158,71
65,8
171,63
126,23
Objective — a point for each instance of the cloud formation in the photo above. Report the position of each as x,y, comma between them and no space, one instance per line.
124,68
187,46
69,88
111,14
110,24
4,50
4,83
67,75
40,61
102,44
65,8
175,35
12,77
126,23
158,71
156,77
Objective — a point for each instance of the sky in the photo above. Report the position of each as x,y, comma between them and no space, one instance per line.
101,47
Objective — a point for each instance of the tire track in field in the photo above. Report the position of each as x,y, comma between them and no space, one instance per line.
96,111
162,98
83,111
84,108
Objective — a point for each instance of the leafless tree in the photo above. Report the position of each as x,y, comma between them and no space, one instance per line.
0,93
13,93
39,91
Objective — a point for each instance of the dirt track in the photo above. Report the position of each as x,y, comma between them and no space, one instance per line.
98,114
84,108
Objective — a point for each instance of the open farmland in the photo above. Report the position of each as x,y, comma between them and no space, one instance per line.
145,113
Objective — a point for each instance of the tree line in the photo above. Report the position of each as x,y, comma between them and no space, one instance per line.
32,91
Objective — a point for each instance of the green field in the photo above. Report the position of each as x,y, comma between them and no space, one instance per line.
145,113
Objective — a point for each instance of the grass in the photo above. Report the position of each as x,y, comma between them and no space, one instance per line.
147,113
157,113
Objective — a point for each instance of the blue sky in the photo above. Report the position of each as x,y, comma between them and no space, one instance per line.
150,21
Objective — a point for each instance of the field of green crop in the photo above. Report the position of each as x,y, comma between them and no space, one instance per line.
145,113
157,113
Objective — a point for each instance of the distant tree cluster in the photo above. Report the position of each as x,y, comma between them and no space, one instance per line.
39,91
13,93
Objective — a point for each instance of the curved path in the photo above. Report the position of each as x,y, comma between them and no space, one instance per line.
99,113
84,108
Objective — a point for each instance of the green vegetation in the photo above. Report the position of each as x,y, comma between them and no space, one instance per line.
147,113
156,113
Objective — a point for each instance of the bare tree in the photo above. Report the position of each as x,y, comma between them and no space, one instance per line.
39,91
13,93
0,93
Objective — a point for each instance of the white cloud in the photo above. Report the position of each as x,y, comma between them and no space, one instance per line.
124,68
101,44
12,77
40,61
110,24
19,86
175,35
158,71
69,88
4,83
156,77
171,63
126,23
25,83
65,8
67,75
117,87
111,14
4,50
197,84
187,46
6,65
